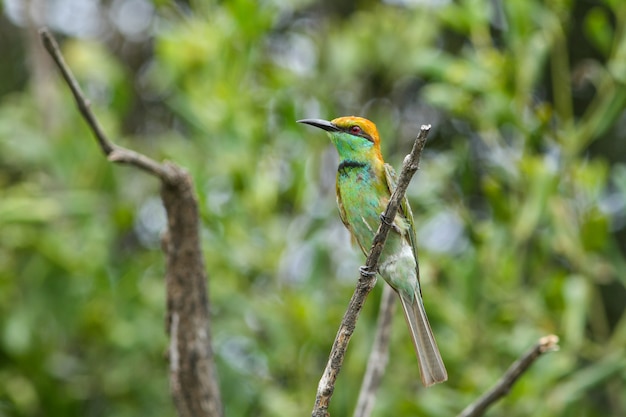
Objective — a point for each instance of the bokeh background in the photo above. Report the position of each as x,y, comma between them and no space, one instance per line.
520,202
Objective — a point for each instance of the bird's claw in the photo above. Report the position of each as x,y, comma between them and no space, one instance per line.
385,219
365,270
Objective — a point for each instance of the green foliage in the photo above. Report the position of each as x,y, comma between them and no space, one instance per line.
519,205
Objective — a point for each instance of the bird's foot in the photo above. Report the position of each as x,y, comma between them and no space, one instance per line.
365,270
386,219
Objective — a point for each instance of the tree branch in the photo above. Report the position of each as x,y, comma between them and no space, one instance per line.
366,281
379,356
193,380
503,386
115,153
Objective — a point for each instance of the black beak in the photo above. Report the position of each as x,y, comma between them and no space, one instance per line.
322,124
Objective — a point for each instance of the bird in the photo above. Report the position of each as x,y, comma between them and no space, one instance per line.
364,185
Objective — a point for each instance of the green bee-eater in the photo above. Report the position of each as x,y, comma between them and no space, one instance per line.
364,186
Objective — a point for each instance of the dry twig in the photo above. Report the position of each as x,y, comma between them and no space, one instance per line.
379,356
366,281
193,380
503,386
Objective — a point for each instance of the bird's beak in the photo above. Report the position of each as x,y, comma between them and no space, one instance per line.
322,124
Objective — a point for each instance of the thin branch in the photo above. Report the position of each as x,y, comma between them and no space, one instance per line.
114,152
379,356
503,386
366,281
193,380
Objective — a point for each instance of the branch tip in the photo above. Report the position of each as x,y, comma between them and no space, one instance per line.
505,383
549,343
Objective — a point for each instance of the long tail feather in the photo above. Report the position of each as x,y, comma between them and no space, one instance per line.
431,365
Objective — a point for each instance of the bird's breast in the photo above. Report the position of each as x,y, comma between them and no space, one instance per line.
364,197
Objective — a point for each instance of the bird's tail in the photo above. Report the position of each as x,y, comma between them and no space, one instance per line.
431,365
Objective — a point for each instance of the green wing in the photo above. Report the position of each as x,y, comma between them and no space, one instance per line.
344,220
406,212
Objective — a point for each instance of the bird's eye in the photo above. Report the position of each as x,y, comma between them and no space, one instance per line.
355,130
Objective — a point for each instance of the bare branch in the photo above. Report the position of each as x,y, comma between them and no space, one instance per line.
193,380
379,356
366,281
503,386
114,152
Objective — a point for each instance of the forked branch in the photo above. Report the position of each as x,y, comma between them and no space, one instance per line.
193,380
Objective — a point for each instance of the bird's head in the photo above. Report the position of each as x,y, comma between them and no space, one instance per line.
354,137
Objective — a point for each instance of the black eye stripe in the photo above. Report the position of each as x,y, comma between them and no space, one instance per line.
366,136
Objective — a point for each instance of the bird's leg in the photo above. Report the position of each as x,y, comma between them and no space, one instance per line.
365,270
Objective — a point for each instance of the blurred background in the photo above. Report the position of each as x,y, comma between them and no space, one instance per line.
520,202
